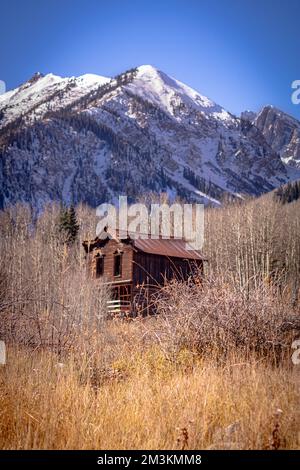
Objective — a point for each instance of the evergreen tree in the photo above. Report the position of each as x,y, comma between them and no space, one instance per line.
289,192
73,224
68,224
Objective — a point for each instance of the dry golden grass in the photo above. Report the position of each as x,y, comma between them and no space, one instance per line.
137,399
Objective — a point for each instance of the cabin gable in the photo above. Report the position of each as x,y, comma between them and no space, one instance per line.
111,261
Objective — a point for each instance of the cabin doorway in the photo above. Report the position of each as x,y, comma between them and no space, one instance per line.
120,299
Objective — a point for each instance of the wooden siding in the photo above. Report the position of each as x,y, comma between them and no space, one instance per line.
108,252
153,270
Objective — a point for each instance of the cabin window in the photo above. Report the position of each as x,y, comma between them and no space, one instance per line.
117,265
99,265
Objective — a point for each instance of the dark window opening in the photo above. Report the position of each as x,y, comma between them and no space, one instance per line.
99,266
118,265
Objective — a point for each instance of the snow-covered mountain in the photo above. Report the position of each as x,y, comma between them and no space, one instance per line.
92,138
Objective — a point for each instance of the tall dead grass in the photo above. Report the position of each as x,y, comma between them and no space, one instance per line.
144,401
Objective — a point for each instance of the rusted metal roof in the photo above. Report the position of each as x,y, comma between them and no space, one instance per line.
173,247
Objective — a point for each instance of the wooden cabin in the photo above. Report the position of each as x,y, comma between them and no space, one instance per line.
135,269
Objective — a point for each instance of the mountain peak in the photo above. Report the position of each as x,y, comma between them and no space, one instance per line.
91,79
248,115
276,112
271,107
147,69
37,75
168,93
282,133
149,73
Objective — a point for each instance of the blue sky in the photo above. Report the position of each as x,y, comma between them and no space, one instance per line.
242,54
